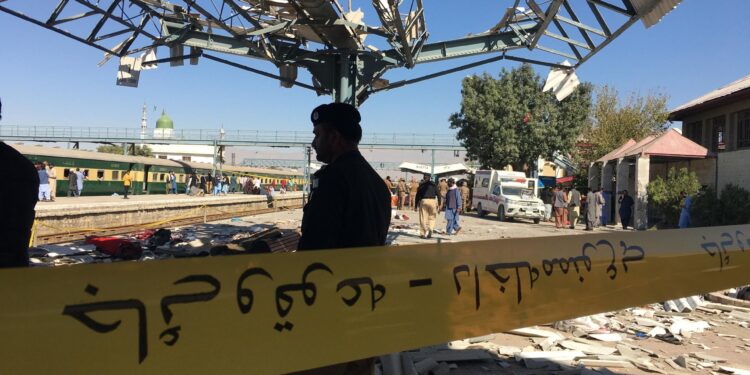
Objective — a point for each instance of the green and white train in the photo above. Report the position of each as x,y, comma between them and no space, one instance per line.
104,171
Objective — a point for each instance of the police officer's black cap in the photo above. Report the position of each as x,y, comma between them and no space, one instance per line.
343,117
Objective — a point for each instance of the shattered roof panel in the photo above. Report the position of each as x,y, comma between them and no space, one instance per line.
652,11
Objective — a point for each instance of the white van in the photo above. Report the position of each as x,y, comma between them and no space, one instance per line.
508,194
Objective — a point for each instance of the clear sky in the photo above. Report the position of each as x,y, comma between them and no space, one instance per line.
48,79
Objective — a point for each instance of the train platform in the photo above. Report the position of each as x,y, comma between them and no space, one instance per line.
72,218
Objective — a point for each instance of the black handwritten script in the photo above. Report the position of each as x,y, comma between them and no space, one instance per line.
721,249
81,312
504,272
350,290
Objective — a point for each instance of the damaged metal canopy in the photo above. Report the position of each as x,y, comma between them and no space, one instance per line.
346,57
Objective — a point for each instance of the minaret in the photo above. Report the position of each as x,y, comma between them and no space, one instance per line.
144,122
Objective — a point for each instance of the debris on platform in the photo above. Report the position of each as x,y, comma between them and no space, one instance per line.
626,341
164,243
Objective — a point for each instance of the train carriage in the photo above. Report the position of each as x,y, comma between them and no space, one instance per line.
104,171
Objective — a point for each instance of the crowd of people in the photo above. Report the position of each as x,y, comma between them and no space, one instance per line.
48,182
224,184
429,198
566,206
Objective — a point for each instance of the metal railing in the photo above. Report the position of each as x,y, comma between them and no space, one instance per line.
209,136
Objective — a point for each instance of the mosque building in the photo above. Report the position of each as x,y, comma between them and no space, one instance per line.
181,152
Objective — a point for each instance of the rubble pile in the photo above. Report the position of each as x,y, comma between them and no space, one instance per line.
195,241
680,336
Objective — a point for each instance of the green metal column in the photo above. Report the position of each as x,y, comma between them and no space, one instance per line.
345,79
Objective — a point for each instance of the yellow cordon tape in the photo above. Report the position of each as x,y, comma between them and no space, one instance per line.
274,313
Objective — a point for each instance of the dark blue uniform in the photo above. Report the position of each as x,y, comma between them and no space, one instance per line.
349,206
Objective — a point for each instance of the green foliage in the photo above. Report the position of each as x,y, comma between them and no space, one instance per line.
114,149
735,205
704,211
731,208
665,194
613,122
510,121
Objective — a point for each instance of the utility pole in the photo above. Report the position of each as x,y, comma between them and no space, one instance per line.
432,166
306,187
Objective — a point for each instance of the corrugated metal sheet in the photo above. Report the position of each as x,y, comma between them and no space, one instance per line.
686,304
652,11
740,84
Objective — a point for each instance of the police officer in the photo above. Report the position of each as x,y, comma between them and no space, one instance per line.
349,204
18,197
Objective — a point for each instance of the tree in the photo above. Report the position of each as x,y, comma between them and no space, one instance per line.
613,122
666,193
510,121
114,149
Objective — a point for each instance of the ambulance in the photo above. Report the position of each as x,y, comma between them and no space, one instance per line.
507,194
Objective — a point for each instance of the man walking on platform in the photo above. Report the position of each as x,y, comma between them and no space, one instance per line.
465,193
558,204
72,184
43,182
413,187
126,182
591,209
626,208
442,190
574,206
426,198
79,181
52,180
401,190
453,205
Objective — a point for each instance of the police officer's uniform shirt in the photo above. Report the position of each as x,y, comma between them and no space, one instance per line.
349,206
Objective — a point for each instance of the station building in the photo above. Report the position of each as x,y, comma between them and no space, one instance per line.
714,144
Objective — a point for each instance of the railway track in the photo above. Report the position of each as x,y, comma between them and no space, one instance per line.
124,229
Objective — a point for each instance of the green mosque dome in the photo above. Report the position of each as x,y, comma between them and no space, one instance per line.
164,122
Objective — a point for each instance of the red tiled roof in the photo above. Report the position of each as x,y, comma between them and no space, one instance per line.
611,155
671,144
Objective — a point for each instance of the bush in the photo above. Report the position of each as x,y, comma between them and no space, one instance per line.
665,194
735,205
731,208
705,209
